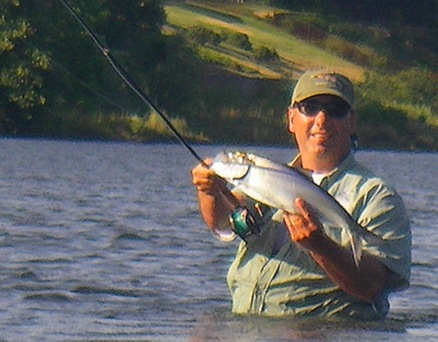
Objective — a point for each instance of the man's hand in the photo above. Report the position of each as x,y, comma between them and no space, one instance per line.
216,202
363,283
303,227
206,180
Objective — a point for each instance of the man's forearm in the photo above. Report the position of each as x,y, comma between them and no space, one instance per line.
363,282
216,208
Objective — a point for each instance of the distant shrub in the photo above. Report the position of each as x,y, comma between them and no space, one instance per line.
358,33
307,26
377,114
207,55
239,40
156,124
415,86
136,124
356,53
201,35
265,54
419,86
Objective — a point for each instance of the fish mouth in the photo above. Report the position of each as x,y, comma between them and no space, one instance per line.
231,166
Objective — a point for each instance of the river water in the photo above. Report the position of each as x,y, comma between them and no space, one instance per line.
103,241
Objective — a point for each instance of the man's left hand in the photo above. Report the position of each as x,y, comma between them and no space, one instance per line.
302,226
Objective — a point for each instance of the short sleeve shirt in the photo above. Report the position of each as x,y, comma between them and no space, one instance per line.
273,276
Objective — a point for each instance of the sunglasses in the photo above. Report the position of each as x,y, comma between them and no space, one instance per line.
334,109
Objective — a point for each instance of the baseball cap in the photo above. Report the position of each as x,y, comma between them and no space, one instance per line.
323,82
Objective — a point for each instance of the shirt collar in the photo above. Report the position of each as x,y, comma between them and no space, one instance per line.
347,163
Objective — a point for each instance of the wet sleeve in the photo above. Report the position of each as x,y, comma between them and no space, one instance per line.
384,214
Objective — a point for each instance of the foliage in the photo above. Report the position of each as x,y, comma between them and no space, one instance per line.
358,54
265,54
201,35
419,12
309,26
416,86
21,70
55,65
238,39
156,124
394,113
395,34
54,82
211,56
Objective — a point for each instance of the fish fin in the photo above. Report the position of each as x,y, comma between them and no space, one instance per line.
356,247
357,250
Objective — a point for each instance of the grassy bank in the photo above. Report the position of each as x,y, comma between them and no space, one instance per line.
293,52
396,106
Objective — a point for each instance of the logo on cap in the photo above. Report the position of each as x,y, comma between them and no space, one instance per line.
328,80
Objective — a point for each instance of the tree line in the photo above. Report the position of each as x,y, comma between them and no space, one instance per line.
51,72
419,13
54,82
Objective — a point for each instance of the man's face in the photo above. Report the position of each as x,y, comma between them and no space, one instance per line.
322,126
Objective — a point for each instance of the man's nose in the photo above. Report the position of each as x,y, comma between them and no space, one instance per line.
321,116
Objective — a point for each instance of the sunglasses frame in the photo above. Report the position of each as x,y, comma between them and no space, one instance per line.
335,109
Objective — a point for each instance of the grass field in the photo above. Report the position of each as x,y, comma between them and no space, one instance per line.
389,101
294,53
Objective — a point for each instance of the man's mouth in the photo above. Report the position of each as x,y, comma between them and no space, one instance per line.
320,135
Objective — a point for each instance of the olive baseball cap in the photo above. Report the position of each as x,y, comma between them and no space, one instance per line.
323,82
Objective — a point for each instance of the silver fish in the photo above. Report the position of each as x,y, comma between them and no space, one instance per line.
278,185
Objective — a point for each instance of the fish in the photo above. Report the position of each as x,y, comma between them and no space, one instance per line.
278,185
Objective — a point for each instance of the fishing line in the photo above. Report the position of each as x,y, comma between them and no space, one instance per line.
123,74
83,83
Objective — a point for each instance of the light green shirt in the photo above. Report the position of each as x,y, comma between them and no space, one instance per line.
273,276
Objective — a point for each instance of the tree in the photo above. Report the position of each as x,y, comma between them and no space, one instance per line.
21,67
134,26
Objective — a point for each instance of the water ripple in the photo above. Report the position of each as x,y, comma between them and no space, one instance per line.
103,241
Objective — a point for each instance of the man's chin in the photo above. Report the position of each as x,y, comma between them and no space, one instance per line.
321,149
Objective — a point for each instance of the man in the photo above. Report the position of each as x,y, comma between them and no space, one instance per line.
297,265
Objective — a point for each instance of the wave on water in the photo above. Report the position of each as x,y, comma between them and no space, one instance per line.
103,241
91,290
50,296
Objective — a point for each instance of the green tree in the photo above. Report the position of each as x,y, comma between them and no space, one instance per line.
130,29
134,27
21,68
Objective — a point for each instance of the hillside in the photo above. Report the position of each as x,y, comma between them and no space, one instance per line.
270,44
221,71
248,20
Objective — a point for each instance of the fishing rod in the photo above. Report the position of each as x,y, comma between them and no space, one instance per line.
123,74
244,221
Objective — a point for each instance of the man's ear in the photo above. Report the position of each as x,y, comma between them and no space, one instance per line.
290,119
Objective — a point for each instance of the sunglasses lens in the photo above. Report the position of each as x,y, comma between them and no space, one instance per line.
339,110
336,109
309,108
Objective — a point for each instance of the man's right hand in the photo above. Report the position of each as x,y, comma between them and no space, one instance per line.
206,180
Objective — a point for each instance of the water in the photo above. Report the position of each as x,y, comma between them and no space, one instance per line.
103,241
